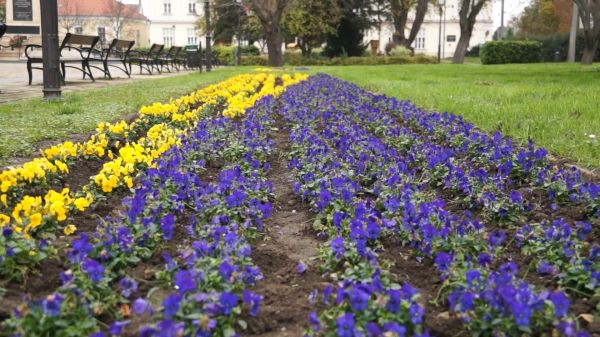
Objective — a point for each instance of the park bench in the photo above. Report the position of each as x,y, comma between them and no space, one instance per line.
116,56
147,60
75,52
169,59
2,32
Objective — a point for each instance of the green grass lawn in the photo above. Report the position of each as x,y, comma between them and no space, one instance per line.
554,104
27,122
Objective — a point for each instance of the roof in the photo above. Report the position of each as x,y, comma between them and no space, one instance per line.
106,8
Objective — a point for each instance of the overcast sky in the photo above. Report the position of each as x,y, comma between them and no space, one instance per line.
512,8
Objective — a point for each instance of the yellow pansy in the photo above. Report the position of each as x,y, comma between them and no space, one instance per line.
69,229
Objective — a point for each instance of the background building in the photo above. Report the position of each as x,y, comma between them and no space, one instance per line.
107,19
172,22
428,36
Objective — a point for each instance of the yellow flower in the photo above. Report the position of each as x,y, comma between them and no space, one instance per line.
35,220
81,203
70,229
4,219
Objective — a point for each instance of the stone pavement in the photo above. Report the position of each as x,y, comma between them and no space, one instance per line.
13,80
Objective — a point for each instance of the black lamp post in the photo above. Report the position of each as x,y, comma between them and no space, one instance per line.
208,49
440,4
238,59
50,53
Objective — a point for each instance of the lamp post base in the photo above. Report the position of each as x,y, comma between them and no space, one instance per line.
52,94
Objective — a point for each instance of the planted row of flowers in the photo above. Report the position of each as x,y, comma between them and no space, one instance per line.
95,284
560,249
395,182
34,220
331,169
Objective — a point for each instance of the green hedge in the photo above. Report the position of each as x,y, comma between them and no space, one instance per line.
511,51
226,55
555,47
297,60
292,59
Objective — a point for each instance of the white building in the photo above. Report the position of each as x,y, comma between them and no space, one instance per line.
428,37
172,22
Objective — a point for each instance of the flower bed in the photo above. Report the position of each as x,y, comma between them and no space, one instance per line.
508,239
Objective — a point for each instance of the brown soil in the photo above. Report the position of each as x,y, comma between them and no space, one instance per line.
423,276
285,307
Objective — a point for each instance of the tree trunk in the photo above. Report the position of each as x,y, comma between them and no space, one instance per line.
399,19
274,41
420,13
589,49
461,48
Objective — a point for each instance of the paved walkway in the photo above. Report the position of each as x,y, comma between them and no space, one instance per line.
13,80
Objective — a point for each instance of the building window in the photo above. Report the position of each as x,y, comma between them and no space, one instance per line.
451,38
168,36
192,7
167,7
420,40
78,30
102,34
192,34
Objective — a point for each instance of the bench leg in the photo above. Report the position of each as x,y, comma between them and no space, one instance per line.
87,64
107,71
29,72
128,72
64,71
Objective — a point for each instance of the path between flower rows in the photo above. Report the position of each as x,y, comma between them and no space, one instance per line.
285,306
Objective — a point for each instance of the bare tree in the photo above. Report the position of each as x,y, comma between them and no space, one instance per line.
399,10
469,9
118,13
589,12
270,13
70,17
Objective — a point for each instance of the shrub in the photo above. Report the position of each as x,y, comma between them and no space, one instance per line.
254,60
400,51
556,46
511,51
474,51
227,55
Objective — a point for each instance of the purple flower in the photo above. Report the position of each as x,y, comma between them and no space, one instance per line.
416,313
337,246
301,268
484,260
393,304
496,238
359,298
372,230
254,300
184,281
235,199
141,306
228,301
171,304
117,327
345,325
560,302
167,226
128,286
226,270
443,261
392,204
80,249
314,321
93,269
51,305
